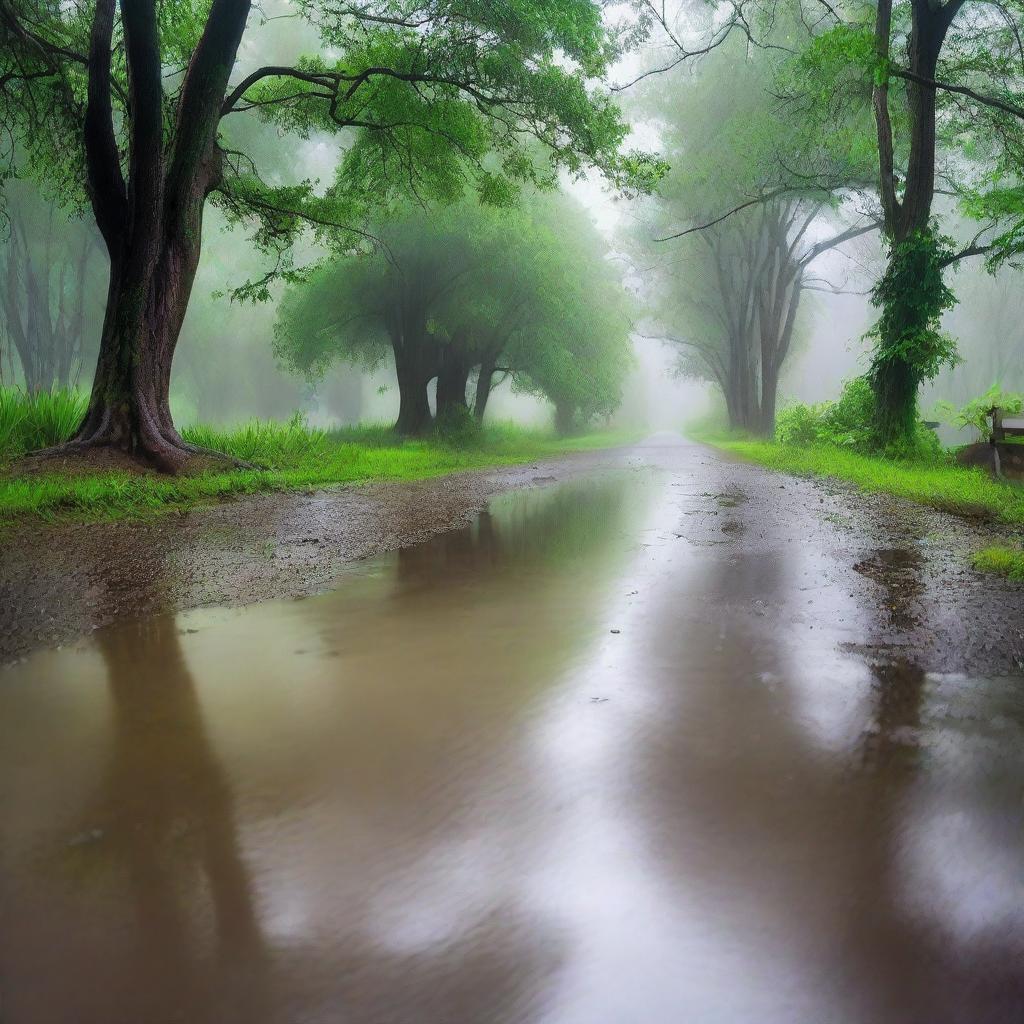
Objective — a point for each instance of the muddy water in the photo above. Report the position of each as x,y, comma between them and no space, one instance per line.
603,757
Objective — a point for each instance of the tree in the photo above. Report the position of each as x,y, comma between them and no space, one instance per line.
913,295
943,83
519,292
728,290
546,309
356,307
125,103
46,273
936,79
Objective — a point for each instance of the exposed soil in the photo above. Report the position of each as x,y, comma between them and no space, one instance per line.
909,565
982,455
105,459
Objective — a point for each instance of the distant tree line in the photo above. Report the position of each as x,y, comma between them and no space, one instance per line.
49,277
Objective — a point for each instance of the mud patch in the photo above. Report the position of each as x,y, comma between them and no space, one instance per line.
60,581
898,572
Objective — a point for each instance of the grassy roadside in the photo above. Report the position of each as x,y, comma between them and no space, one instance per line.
295,457
943,486
940,485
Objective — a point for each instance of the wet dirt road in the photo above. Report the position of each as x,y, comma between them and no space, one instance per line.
672,740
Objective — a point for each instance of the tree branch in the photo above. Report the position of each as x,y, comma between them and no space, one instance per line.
962,90
272,71
202,92
718,220
102,160
965,253
830,243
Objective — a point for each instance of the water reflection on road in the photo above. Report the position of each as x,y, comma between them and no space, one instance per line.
573,764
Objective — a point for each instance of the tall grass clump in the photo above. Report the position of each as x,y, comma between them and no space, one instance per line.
1006,561
263,442
12,414
40,419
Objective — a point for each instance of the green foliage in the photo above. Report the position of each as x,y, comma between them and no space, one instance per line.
801,423
1000,559
524,289
828,82
975,412
913,295
845,53
848,423
427,102
41,419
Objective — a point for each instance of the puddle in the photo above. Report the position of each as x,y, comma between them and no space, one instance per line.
553,767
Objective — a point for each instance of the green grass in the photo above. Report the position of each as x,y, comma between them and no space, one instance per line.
940,485
1006,561
291,456
41,419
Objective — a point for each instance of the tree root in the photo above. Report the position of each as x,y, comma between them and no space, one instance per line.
173,458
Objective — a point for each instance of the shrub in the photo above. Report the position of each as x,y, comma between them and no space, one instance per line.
975,412
848,423
799,424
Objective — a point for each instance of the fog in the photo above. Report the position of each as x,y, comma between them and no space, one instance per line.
226,370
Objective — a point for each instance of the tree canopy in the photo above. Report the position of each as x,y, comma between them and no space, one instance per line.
124,107
521,293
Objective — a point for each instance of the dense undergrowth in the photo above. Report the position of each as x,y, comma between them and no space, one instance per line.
285,456
848,424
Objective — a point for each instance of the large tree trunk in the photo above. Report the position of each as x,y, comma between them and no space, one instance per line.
741,398
484,382
415,366
894,380
769,399
775,346
895,386
452,379
565,413
130,404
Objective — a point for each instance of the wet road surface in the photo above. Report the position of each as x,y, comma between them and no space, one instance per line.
627,749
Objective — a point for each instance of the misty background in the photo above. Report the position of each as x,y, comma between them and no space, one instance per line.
225,368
